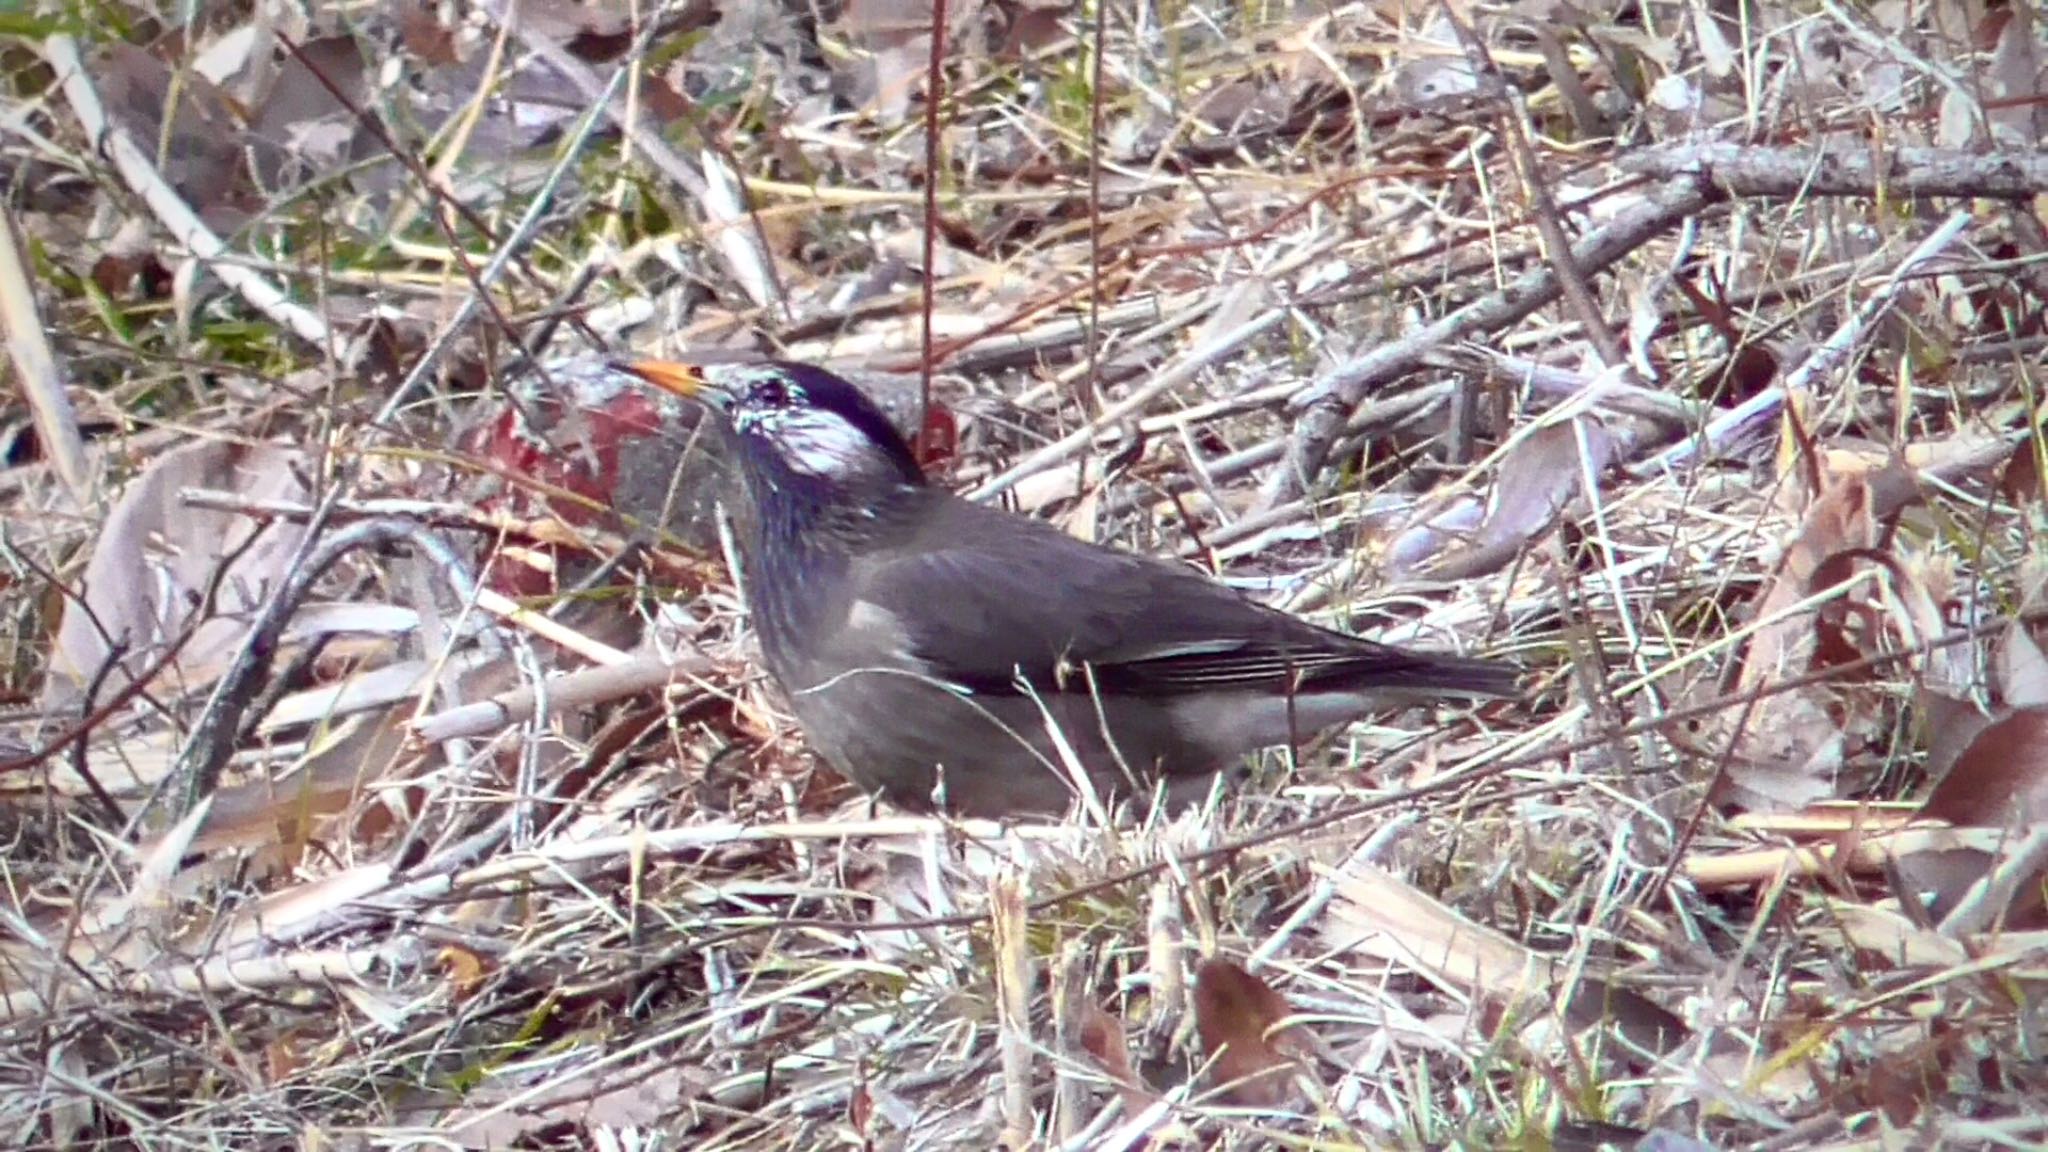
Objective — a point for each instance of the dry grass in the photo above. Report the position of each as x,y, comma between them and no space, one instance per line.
636,925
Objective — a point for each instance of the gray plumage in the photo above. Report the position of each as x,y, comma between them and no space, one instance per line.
927,643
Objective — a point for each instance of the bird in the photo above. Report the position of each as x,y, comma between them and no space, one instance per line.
954,657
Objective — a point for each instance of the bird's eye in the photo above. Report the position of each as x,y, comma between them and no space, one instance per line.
772,394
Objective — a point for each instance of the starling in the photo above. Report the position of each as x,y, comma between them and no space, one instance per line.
951,656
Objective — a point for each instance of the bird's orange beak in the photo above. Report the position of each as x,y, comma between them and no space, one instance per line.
685,380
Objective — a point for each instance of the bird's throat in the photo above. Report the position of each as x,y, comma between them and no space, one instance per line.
798,535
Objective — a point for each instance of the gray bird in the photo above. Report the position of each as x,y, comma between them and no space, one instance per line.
946,655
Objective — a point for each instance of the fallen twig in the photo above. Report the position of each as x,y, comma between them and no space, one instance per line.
1325,406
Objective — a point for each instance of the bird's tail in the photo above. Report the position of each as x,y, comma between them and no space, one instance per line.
1446,674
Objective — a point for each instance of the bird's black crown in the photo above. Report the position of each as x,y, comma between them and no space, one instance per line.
815,421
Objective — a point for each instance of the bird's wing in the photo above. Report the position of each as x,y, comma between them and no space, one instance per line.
983,596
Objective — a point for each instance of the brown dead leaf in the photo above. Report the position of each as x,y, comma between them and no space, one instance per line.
2003,774
1024,26
2022,670
150,572
1383,915
2019,482
1236,1014
591,1099
426,39
896,34
1539,477
1952,725
1792,745
202,153
1102,1037
1999,781
465,969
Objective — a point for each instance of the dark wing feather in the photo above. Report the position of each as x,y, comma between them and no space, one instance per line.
985,594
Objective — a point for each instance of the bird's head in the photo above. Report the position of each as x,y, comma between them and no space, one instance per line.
797,418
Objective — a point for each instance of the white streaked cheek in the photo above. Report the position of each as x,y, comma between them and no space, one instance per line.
817,443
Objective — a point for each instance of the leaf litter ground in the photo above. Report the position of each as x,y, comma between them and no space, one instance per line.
498,839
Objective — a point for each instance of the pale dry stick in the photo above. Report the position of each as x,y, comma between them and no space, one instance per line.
139,172
743,255
1324,408
582,688
35,367
1552,384
208,747
1992,894
1326,889
1140,1129
372,967
365,691
1015,975
1751,170
736,235
1742,419
548,628
432,513
1204,484
1182,371
1208,410
1089,1137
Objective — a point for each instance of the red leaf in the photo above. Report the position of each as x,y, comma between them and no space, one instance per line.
1236,1013
2003,773
938,438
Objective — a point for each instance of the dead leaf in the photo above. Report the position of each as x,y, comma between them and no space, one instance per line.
1792,745
590,1099
1102,1037
1236,1014
148,579
1028,25
426,39
1952,725
302,127
2011,108
202,155
2003,774
2022,670
1421,543
896,34
1383,915
1436,76
1999,781
1539,477
465,970
2019,483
